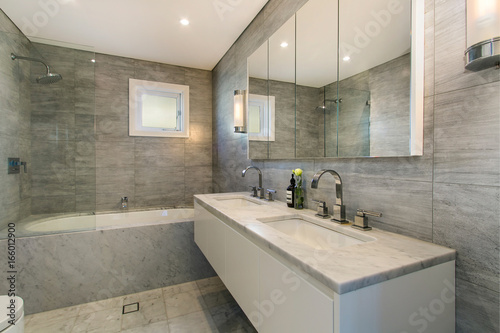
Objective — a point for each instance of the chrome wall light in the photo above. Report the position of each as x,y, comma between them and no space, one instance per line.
240,111
483,34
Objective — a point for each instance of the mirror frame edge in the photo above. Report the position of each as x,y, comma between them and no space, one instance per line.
417,81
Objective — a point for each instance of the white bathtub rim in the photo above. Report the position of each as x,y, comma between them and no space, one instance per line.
22,232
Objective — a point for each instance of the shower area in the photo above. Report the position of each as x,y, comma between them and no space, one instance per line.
47,134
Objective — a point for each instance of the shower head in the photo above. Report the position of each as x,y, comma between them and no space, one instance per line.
46,78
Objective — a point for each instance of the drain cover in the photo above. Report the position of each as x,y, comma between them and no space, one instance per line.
129,308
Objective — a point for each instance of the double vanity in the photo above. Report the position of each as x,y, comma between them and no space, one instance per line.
291,271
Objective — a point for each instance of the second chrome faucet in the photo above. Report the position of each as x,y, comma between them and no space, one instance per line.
257,192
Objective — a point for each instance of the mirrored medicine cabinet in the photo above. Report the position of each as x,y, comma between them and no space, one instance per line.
341,78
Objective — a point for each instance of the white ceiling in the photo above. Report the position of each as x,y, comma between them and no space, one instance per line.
369,34
147,29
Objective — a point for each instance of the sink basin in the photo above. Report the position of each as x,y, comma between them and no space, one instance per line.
312,234
239,202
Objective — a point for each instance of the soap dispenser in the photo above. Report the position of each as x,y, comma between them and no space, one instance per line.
290,193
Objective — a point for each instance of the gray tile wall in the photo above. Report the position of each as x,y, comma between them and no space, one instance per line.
62,127
150,171
15,136
449,196
62,270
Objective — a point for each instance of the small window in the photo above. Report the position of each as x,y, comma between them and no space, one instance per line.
158,109
261,118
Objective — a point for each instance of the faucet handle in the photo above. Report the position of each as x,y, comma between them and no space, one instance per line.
361,221
322,210
254,191
362,213
270,194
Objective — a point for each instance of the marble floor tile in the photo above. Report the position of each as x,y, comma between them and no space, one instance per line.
179,308
199,322
230,318
183,303
143,296
214,292
105,321
150,311
53,315
110,303
179,288
64,325
158,327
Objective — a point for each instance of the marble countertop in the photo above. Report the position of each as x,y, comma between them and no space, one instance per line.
381,257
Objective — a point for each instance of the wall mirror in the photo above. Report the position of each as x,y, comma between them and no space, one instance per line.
346,80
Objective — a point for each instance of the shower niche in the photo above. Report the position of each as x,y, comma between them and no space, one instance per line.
346,77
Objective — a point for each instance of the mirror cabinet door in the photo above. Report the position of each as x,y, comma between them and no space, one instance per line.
317,23
282,90
258,103
374,78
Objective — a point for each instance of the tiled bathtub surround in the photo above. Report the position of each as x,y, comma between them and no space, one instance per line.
448,196
63,270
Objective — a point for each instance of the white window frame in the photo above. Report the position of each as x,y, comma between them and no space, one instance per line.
137,88
267,118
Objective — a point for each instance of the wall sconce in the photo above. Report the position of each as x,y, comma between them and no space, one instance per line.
483,34
240,111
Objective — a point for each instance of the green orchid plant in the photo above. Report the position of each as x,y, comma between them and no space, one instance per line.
299,194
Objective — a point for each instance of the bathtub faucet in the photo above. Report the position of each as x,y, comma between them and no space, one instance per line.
124,202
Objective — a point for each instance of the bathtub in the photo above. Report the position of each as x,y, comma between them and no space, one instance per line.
73,259
35,226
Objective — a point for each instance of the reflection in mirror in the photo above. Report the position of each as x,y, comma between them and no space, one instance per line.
358,81
316,68
374,77
278,83
257,86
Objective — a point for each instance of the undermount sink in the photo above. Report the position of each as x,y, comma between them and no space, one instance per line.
238,202
311,234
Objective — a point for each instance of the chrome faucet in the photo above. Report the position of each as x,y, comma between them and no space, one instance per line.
124,202
260,194
338,207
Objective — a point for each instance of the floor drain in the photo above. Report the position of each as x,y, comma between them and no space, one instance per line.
129,308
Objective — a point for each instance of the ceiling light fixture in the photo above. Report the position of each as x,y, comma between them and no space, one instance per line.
185,22
284,44
346,58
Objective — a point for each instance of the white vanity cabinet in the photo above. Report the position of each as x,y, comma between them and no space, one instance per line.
274,298
288,303
279,296
210,236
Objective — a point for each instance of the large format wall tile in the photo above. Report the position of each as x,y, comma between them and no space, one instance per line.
466,219
467,136
155,175
475,305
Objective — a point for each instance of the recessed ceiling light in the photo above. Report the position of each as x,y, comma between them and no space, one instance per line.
346,58
185,22
284,44
92,60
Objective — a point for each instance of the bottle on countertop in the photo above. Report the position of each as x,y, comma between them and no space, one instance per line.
290,193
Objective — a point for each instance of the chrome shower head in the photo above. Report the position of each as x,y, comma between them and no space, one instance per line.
46,78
